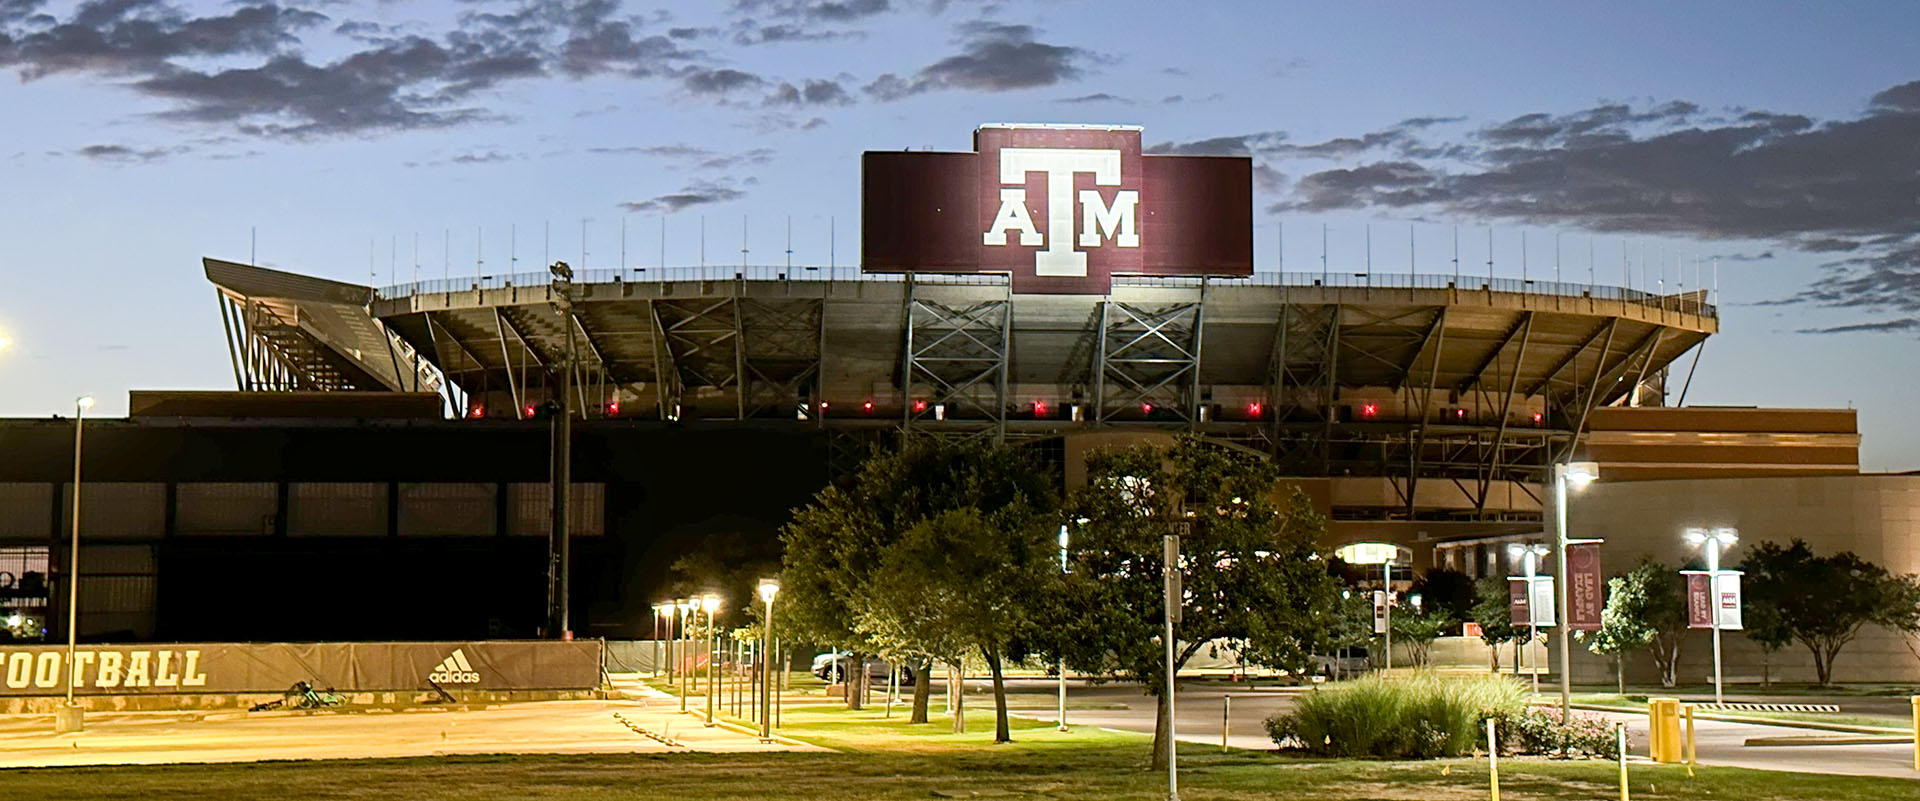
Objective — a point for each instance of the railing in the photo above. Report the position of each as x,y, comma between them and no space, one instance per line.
1688,302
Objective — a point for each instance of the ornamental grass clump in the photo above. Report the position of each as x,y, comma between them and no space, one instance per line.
1422,716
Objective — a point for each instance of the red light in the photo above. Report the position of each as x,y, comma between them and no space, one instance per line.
1146,408
1253,409
529,411
919,406
1536,417
823,407
613,409
1459,413
867,407
479,411
1039,408
1368,409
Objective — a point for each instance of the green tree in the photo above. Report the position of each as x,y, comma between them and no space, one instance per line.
1824,601
1621,632
1765,626
834,546
966,579
1253,572
1418,628
1648,605
1448,591
1491,612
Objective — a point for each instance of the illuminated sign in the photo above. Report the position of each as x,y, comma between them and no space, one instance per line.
1060,209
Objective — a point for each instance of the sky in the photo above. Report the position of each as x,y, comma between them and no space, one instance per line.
1769,151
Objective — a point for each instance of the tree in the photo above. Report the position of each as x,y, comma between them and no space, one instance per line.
1764,625
835,545
1621,631
1823,601
1448,591
967,579
1496,621
1252,569
1418,628
1648,605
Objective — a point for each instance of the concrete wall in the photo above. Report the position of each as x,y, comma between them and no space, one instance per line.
1875,516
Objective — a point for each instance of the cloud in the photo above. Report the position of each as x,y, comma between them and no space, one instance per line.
131,37
1097,97
488,157
817,10
125,155
1880,327
1843,186
810,93
719,81
699,193
993,58
690,155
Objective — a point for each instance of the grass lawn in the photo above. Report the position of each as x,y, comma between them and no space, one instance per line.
876,758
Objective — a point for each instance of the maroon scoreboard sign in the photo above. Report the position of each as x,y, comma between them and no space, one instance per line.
1060,208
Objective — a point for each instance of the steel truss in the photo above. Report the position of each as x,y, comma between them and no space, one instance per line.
954,363
272,349
1306,354
1148,358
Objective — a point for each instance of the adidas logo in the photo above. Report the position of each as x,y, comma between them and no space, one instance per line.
455,670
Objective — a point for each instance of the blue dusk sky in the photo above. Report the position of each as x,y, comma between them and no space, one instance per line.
1770,149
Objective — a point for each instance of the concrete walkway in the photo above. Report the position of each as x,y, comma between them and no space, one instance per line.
547,727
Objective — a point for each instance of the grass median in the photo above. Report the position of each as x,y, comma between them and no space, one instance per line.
874,757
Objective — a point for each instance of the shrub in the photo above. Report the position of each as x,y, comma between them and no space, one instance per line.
1423,717
1538,731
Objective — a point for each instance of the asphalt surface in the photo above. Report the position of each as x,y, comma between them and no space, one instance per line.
1199,709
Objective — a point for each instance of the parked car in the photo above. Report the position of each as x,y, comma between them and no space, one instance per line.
1349,662
833,666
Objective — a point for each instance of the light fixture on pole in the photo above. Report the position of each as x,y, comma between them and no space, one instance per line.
710,603
768,589
69,717
1530,554
1383,554
1062,666
1579,475
659,659
1712,541
686,607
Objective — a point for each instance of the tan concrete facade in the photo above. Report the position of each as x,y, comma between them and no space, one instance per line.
1874,516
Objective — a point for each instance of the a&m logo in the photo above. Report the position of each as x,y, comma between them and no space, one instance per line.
1061,202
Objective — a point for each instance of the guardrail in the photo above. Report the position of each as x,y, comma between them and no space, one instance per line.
1689,302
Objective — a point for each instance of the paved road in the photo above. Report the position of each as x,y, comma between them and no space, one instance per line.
1199,707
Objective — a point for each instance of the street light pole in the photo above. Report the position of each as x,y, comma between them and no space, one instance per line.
1713,540
1580,474
71,718
686,607
1063,660
710,604
768,589
1386,603
1171,615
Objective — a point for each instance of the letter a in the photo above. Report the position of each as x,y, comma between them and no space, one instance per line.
1013,214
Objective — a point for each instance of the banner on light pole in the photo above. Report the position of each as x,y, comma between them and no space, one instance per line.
1530,608
1585,596
1713,600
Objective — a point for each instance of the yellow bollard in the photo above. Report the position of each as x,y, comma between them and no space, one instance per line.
1493,763
1691,753
1663,736
1620,738
1916,731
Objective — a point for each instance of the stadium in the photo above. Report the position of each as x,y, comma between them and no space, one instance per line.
398,436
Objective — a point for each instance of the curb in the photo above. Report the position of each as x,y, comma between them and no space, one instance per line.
1790,724
754,733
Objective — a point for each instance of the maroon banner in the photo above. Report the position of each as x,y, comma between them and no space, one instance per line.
1517,612
1059,208
1585,597
1699,601
273,667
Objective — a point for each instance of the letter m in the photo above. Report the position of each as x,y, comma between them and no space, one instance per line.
1115,221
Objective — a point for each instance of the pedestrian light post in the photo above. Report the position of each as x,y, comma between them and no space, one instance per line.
1712,541
686,607
659,651
709,604
768,589
70,718
1577,475
1174,594
1062,667
1383,554
1529,555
